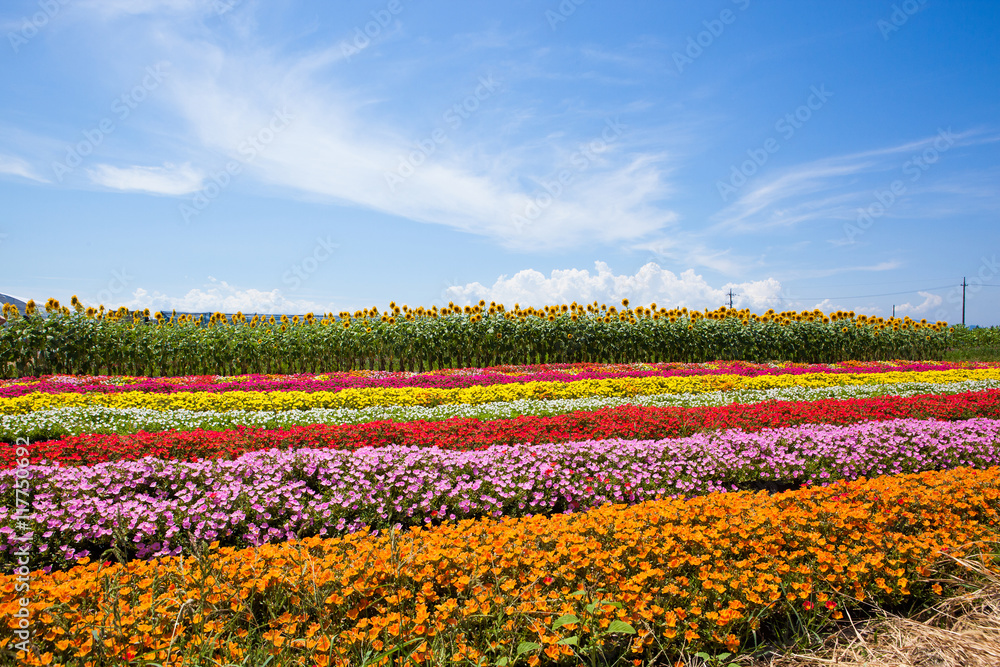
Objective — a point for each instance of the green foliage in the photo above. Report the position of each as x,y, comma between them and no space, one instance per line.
78,344
979,344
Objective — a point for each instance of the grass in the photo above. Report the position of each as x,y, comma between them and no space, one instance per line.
962,630
980,344
973,354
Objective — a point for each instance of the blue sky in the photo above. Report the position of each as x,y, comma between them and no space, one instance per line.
289,156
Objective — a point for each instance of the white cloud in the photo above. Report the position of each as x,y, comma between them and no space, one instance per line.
930,301
15,166
686,248
166,180
221,296
650,284
337,148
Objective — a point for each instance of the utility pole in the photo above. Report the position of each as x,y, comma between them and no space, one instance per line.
964,285
894,311
731,295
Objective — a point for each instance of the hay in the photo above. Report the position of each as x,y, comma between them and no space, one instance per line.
962,630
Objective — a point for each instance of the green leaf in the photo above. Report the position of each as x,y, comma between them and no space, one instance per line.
621,626
563,620
702,655
502,662
524,647
569,641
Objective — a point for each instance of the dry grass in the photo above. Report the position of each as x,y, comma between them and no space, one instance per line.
963,630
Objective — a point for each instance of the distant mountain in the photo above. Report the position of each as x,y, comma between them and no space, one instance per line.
17,302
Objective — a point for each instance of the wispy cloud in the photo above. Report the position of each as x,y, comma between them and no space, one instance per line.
824,189
889,265
15,166
687,248
112,8
339,148
166,180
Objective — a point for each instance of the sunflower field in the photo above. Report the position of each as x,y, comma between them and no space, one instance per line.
91,341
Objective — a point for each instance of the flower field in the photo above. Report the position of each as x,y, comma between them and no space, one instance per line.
97,341
511,515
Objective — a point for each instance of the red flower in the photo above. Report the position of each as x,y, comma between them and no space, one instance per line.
807,605
547,580
470,434
830,604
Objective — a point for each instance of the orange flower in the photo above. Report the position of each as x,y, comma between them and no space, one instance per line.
649,560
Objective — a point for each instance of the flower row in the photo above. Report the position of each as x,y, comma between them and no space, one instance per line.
629,422
150,507
475,395
49,424
441,380
699,574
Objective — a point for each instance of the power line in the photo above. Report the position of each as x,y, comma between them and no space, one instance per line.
868,296
859,296
890,282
